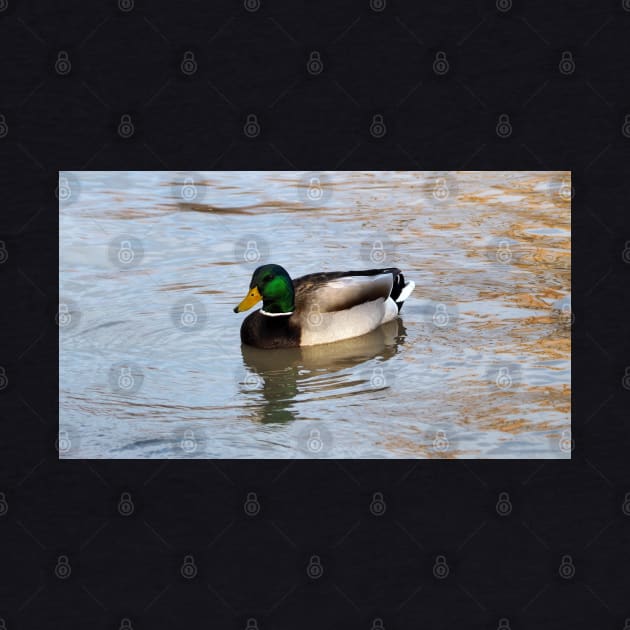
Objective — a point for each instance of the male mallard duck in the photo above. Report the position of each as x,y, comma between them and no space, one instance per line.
320,307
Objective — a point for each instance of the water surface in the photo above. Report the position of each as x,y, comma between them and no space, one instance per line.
152,265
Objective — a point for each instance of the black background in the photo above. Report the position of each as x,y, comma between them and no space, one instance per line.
374,63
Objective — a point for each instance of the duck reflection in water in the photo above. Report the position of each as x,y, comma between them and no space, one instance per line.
274,380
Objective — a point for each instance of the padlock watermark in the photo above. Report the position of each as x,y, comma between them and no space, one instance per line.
503,505
378,5
315,318
317,321
441,188
68,189
378,507
563,313
376,376
68,315
314,189
566,443
378,379
314,63
189,314
126,127
561,190
4,127
441,65
125,252
125,624
63,65
438,317
249,381
67,443
504,376
251,6
63,443
251,126
378,250
378,128
314,441
441,442
251,250
503,127
188,442
566,569
315,568
505,251
441,570
125,378
189,187
566,66
188,569
125,505
63,569
251,505
188,64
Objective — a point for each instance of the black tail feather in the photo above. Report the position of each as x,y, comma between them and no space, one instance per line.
399,285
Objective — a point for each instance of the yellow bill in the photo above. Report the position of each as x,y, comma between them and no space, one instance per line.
252,298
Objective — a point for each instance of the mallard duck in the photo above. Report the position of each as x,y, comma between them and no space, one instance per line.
320,307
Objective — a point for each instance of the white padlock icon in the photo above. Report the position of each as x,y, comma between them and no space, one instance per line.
504,253
126,253
188,444
440,317
315,317
189,317
64,443
251,252
566,191
189,190
64,318
315,443
378,378
125,378
315,191
441,191
64,192
440,443
504,379
377,254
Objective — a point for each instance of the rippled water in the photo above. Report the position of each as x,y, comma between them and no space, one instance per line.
151,362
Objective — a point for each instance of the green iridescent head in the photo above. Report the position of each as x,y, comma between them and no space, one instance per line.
273,285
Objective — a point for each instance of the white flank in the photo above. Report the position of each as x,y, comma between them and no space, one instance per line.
352,322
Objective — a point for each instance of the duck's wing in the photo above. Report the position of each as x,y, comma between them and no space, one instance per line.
340,290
